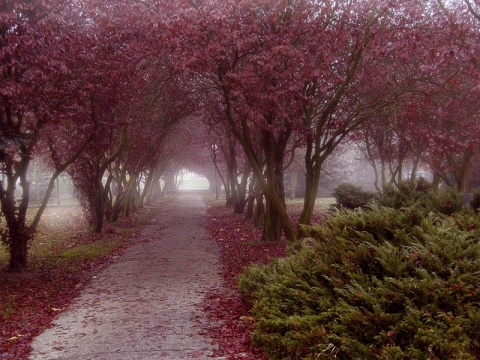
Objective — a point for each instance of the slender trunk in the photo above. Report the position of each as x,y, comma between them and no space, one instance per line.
250,200
413,173
383,175
129,199
146,188
107,199
97,209
154,188
231,183
58,191
436,180
294,184
311,191
241,201
259,213
313,167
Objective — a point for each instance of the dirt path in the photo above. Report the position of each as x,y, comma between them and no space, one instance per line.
145,305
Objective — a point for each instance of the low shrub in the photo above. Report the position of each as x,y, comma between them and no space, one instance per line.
351,197
444,201
372,284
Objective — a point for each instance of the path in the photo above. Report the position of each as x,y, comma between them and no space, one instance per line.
145,305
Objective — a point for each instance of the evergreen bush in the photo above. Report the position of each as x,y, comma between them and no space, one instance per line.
444,201
373,284
351,197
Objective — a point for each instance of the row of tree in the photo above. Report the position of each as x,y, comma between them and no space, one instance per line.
119,93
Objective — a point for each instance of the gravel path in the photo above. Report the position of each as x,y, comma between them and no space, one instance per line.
145,305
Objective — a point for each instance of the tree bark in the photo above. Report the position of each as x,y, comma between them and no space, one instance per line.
18,234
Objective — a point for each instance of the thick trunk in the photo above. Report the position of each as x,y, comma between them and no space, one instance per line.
17,234
272,226
18,251
19,237
462,169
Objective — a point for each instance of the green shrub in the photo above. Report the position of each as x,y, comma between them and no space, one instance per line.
444,201
423,185
397,198
351,196
375,284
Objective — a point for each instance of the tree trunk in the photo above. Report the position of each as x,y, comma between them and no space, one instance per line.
259,213
272,226
293,184
241,201
17,234
312,179
19,250
276,217
310,197
462,169
413,173
146,188
97,209
250,202
154,188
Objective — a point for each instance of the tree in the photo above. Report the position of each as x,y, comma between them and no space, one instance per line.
36,92
255,79
350,84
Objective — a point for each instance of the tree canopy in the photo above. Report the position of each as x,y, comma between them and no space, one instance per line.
114,92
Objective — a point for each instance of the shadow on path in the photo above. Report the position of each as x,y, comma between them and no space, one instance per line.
145,305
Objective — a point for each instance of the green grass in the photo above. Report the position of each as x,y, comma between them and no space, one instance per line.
62,237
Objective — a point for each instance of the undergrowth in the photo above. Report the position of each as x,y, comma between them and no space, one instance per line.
380,283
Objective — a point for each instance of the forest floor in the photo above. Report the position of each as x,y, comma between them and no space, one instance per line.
164,287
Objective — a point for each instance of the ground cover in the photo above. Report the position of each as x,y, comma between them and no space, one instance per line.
63,258
379,283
